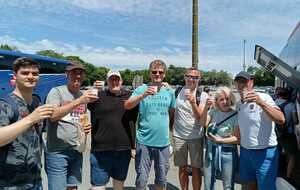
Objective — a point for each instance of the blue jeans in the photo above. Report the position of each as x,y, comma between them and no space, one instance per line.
37,186
143,161
220,160
63,169
106,164
260,166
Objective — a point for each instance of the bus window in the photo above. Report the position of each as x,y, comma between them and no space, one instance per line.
51,73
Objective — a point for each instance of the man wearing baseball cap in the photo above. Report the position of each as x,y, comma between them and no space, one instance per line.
257,113
112,139
63,156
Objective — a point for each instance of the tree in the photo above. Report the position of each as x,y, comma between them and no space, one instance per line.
261,76
7,47
51,53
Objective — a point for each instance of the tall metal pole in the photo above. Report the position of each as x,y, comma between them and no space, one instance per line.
244,63
195,35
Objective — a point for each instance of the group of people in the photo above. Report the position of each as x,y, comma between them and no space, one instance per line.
137,124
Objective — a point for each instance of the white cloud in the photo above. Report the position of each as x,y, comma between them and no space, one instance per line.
135,58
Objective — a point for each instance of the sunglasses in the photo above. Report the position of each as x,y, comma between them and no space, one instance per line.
155,72
191,77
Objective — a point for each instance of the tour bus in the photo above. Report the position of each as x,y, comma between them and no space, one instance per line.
51,72
286,69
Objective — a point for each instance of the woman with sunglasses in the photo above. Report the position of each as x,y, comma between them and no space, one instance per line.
222,134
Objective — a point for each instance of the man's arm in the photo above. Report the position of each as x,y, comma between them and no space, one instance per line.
273,112
10,132
197,109
234,139
135,100
205,118
62,111
171,118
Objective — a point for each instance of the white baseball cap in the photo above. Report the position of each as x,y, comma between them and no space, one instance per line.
113,73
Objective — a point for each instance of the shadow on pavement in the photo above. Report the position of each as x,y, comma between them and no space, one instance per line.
169,187
150,186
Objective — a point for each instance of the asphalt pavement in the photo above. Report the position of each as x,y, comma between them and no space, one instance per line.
173,182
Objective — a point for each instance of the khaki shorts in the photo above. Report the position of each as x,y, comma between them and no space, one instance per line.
184,147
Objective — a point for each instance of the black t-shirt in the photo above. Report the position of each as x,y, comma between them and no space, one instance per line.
110,122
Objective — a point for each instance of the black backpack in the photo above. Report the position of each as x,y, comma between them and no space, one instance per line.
281,129
198,94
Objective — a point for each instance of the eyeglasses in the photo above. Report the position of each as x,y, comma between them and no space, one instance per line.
191,77
155,72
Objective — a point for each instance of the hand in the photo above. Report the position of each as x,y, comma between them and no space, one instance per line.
209,102
214,138
41,112
88,97
133,153
190,98
253,97
165,85
150,91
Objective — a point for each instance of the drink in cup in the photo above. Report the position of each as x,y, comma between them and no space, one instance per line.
187,91
95,91
154,88
245,93
99,84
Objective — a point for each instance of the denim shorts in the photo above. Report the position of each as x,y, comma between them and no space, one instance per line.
36,186
260,166
63,169
143,161
106,164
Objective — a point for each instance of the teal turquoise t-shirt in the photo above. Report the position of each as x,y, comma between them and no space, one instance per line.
153,128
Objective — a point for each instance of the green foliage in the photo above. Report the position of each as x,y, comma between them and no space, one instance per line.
174,75
7,47
261,76
51,53
221,78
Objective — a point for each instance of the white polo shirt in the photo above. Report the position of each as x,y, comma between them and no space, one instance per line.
257,130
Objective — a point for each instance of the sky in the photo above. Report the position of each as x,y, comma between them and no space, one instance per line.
128,34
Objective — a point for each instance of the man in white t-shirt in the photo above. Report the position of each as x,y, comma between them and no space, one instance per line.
257,113
188,134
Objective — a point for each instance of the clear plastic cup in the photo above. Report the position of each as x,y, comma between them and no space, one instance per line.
95,91
99,84
187,91
245,93
154,88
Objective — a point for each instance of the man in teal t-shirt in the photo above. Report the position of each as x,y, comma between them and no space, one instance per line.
156,101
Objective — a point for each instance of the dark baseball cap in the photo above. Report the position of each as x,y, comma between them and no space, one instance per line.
74,65
243,74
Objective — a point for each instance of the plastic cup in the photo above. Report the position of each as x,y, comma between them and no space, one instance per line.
187,91
154,88
99,84
245,93
95,91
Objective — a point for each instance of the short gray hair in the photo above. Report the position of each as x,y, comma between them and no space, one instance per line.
158,62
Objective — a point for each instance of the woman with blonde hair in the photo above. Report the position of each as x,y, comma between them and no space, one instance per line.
222,132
